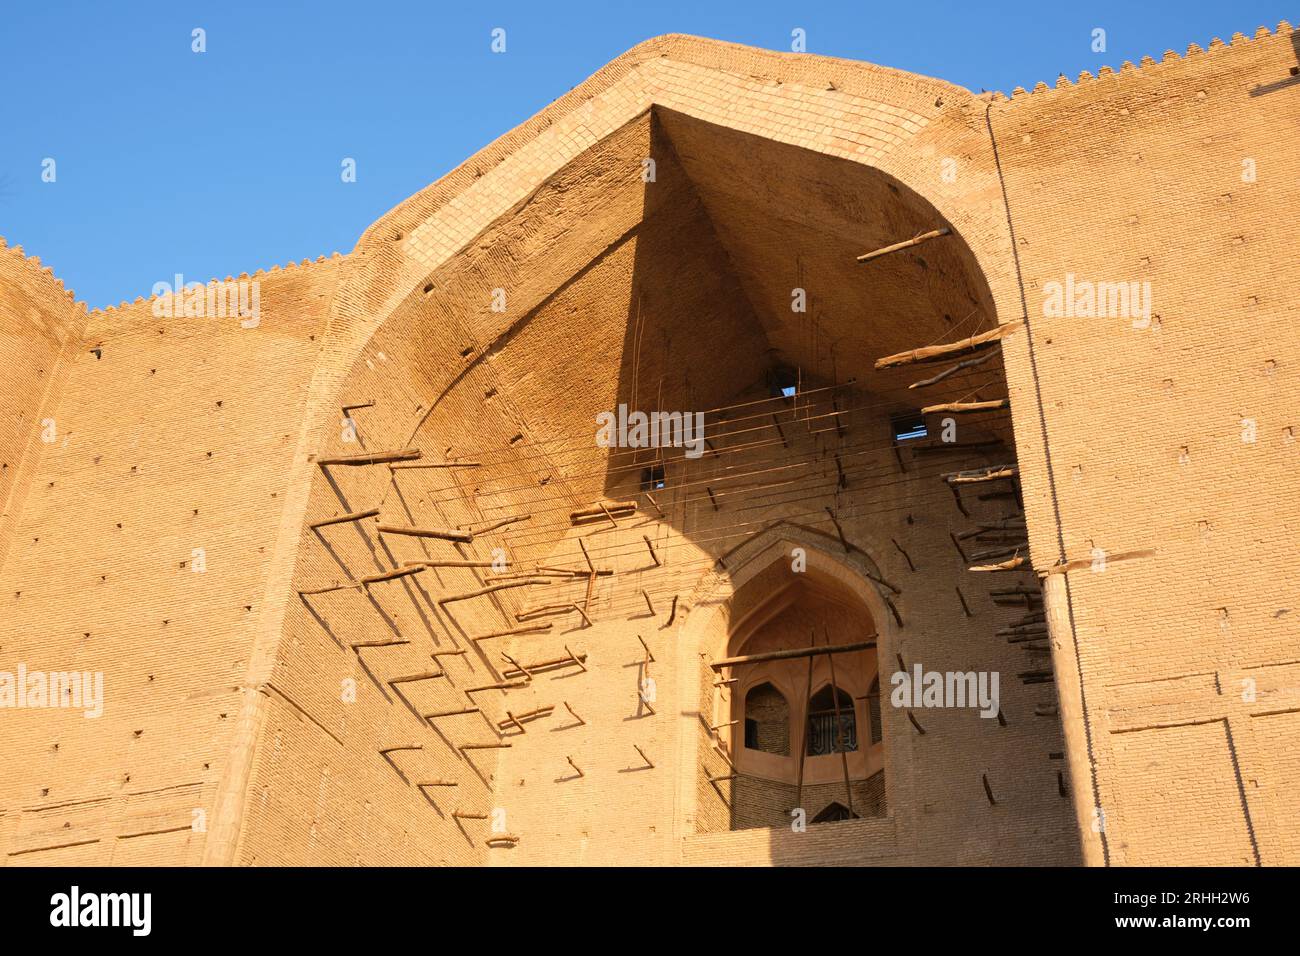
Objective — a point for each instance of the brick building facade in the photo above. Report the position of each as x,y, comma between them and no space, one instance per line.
681,233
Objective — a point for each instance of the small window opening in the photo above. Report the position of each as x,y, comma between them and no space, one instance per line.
652,478
908,425
835,812
783,383
767,720
826,735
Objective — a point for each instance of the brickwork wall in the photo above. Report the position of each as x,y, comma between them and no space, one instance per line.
1145,175
487,318
175,438
767,803
516,392
40,325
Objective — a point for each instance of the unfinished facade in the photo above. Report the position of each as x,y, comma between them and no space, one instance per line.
365,585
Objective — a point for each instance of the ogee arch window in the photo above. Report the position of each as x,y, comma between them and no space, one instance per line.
825,735
767,720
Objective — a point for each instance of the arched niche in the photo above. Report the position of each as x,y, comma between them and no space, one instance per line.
762,604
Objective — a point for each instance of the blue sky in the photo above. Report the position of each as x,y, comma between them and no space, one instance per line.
227,161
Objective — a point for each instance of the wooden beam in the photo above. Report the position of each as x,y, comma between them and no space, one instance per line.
390,575
603,512
954,369
1002,566
803,737
371,458
795,654
932,353
445,534
438,464
496,524
906,244
978,475
839,732
522,670
532,629
649,763
354,516
962,408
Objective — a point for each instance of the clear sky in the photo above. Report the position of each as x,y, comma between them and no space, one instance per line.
212,164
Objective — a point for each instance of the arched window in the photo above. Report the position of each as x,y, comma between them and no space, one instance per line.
873,712
825,735
833,812
767,720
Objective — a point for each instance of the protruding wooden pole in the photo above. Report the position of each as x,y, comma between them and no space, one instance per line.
371,458
964,606
803,739
437,464
603,512
358,644
450,713
531,629
963,408
390,575
495,525
954,369
839,730
492,588
649,657
446,534
500,685
1010,565
341,519
978,475
793,654
906,244
931,353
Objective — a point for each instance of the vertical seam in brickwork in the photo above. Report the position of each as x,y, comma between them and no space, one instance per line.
1051,476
